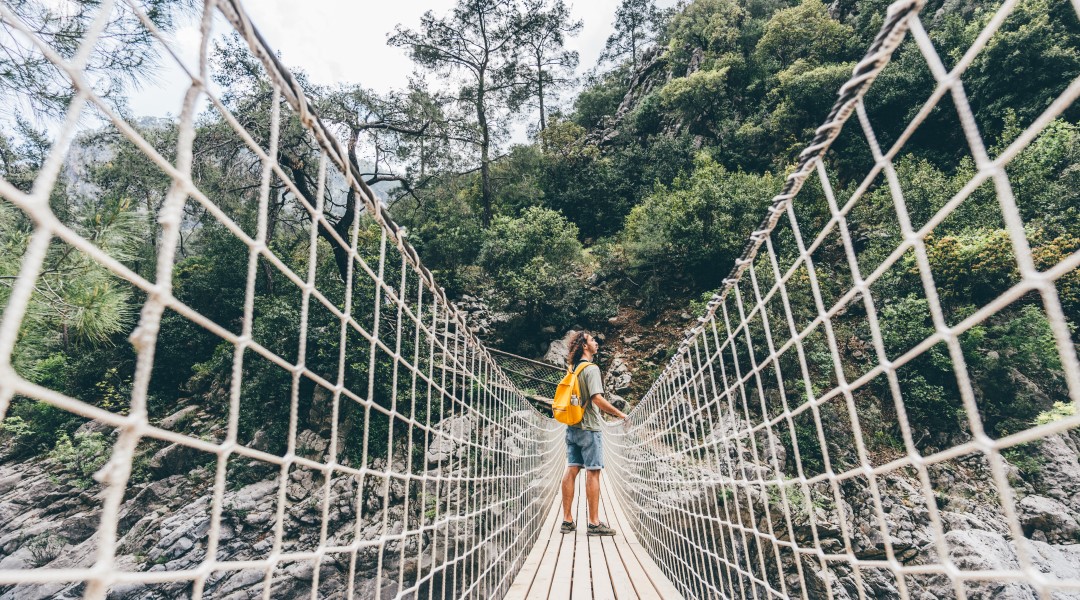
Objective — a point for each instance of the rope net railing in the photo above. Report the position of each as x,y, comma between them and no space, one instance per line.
791,447
532,377
361,443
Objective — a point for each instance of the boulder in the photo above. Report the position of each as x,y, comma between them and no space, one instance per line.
173,459
1052,518
618,376
311,445
450,439
1059,476
974,550
178,418
559,349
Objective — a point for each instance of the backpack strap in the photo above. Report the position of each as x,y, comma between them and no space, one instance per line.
580,368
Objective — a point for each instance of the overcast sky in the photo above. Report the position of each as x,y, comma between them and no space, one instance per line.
339,41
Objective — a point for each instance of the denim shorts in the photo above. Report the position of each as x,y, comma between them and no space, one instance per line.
584,449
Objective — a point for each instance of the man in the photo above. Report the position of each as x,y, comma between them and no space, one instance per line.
584,445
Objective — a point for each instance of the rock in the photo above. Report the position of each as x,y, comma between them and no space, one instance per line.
452,433
261,441
1049,516
559,350
617,401
1059,476
178,418
9,481
93,427
985,550
618,376
321,413
632,339
694,64
310,445
174,459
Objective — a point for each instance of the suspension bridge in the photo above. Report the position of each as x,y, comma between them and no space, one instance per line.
711,485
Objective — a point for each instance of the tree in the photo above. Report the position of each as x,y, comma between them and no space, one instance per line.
401,137
481,39
125,50
635,26
696,227
804,32
550,65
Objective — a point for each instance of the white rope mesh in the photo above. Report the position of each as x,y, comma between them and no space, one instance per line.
707,464
444,500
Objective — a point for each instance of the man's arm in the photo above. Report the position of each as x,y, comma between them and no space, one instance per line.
604,405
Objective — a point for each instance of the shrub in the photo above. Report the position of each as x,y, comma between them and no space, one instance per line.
696,227
533,259
82,457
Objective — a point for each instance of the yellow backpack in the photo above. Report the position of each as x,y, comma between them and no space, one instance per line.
568,406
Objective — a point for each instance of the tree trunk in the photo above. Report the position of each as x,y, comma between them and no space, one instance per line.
341,255
485,159
540,91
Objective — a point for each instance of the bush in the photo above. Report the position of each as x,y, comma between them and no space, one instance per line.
533,259
697,227
82,457
31,427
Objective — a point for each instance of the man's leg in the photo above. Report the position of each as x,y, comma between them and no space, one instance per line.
592,495
568,481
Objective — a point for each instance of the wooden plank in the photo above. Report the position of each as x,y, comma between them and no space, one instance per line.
582,586
658,582
621,581
527,574
541,584
562,580
643,586
602,585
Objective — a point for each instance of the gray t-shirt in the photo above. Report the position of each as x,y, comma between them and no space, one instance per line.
590,383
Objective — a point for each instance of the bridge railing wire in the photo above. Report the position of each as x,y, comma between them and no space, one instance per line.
748,470
434,485
534,377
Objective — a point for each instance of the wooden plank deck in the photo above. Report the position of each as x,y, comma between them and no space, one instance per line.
576,566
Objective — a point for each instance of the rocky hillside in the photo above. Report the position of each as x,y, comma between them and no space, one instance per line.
49,515
844,520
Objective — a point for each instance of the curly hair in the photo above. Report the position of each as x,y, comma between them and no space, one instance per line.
576,347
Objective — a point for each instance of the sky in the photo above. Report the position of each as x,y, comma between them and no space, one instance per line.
338,41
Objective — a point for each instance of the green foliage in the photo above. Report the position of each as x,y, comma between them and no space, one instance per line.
702,94
1059,411
1025,65
80,458
803,32
636,25
714,26
448,234
31,427
533,259
597,103
678,235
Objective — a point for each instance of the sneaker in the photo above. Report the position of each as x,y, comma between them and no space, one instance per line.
568,527
601,529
